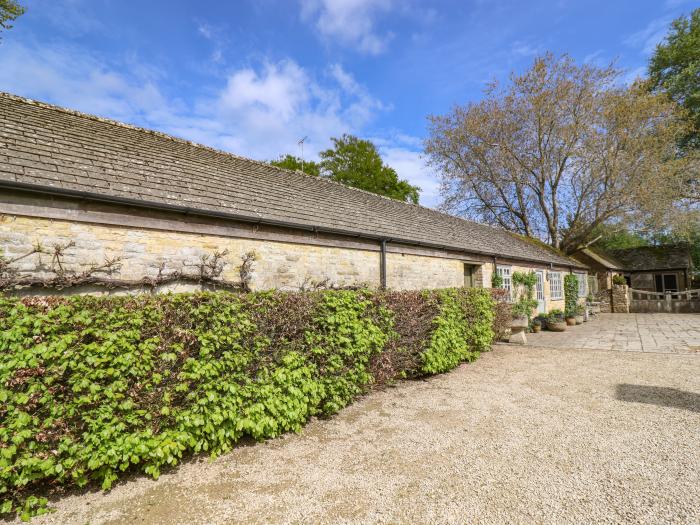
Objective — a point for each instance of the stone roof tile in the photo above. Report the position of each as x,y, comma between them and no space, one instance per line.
51,147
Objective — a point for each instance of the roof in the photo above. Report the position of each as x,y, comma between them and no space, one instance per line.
653,257
51,149
603,259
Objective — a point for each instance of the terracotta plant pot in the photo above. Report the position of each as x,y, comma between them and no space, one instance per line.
579,319
570,321
556,326
536,328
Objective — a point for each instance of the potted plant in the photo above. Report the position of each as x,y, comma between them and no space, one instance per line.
536,325
580,313
570,298
555,321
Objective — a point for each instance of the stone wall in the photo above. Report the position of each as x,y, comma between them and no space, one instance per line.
412,272
620,299
280,265
604,298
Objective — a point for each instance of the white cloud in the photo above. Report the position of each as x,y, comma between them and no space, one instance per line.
647,38
216,37
634,74
350,22
410,165
205,30
524,49
260,112
71,17
58,75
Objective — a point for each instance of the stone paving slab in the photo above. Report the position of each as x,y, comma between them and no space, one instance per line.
664,333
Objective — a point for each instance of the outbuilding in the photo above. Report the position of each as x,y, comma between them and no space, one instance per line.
104,190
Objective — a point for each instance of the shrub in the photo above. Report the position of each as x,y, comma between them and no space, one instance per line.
619,280
503,313
496,280
92,387
570,294
555,315
461,330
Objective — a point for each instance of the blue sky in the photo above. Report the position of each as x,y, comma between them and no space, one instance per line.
252,77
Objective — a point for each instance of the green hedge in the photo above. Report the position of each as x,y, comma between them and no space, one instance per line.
91,387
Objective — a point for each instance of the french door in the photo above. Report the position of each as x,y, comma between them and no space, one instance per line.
539,291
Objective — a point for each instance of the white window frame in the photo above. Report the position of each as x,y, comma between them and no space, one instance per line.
556,293
507,276
582,283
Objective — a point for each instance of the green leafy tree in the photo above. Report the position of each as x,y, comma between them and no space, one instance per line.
9,11
618,237
674,69
356,162
291,162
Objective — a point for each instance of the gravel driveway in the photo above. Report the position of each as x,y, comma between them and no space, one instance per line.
522,435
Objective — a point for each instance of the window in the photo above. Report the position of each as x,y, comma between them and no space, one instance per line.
556,290
504,272
593,284
581,277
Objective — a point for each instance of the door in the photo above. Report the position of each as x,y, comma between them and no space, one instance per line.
539,292
469,271
670,282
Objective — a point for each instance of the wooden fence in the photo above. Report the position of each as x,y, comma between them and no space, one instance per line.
641,301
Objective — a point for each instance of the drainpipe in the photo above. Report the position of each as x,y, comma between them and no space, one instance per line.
495,267
382,264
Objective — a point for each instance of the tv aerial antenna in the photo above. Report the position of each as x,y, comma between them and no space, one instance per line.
300,143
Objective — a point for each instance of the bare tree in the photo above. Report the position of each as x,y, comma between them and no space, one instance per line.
558,151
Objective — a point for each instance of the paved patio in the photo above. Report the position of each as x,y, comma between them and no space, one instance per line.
666,333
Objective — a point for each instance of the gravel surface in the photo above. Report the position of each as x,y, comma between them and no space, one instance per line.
522,435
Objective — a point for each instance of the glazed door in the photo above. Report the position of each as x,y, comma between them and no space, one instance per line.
539,292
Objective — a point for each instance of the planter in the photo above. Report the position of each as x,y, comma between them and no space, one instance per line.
517,330
519,323
556,326
570,321
579,319
536,328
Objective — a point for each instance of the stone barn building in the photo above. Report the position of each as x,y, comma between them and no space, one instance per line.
108,190
665,268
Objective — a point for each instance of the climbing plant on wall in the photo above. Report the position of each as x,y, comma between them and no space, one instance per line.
570,295
524,283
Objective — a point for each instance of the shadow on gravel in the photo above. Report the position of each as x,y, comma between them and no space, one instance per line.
658,395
